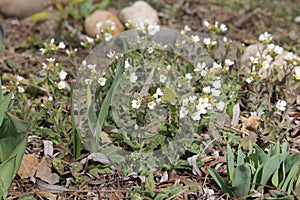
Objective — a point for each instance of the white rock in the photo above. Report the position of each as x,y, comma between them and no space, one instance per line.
139,12
103,17
21,8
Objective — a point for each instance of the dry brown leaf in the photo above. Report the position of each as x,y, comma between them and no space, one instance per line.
28,166
45,174
251,124
47,195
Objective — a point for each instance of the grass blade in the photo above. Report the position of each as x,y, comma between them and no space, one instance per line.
218,179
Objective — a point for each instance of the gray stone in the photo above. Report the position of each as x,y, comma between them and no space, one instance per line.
21,8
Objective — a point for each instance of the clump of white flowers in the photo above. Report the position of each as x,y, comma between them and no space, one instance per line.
217,27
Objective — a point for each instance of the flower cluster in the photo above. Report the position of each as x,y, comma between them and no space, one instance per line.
51,48
150,102
52,69
144,27
217,27
94,75
264,60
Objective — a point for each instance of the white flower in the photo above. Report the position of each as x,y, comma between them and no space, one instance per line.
21,89
88,81
153,29
217,66
196,116
201,108
290,56
192,98
228,62
205,23
61,45
217,84
253,60
168,67
220,106
102,81
44,65
19,78
92,67
195,38
52,40
208,42
150,50
133,77
215,92
183,112
99,25
162,78
267,58
297,73
89,40
187,28
151,105
203,72
107,36
203,102
50,98
43,51
249,80
61,85
83,63
159,92
63,75
126,64
185,101
200,66
51,60
188,76
111,54
278,50
281,105
265,65
223,28
265,37
135,103
270,47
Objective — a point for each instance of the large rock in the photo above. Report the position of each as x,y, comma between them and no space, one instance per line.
103,17
139,12
21,8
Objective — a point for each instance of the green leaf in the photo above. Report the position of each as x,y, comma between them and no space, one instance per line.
297,186
270,166
293,172
86,9
169,94
240,157
241,180
106,103
40,16
4,106
275,178
218,179
261,154
230,162
1,92
76,138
